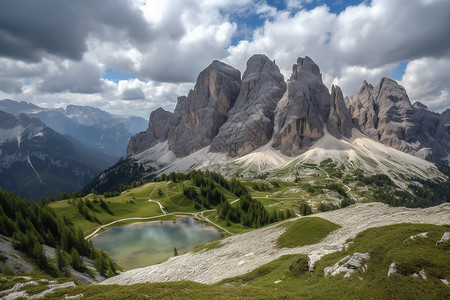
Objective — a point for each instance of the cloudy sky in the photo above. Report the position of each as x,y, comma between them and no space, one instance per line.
130,57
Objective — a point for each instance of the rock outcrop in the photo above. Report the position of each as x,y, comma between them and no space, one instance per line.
197,118
386,114
159,126
205,109
445,238
301,116
251,120
339,122
392,269
347,265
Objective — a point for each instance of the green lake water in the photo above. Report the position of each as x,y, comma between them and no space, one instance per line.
143,244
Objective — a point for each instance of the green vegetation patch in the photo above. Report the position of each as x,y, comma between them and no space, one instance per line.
168,290
305,231
208,246
274,280
263,276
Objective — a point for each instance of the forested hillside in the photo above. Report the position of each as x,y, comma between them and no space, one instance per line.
31,225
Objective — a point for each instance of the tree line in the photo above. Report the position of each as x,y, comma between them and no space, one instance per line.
208,192
31,225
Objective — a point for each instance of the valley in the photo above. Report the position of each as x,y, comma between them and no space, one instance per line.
254,260
252,265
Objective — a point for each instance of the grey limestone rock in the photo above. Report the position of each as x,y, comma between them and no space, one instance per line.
347,265
445,238
392,269
205,109
159,125
197,118
250,122
339,122
418,104
300,118
385,113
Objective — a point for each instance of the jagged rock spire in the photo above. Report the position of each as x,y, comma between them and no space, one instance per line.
301,116
250,122
339,122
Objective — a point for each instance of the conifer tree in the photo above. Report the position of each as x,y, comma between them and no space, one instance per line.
77,261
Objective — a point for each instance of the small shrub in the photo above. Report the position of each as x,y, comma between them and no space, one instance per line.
300,266
305,209
346,202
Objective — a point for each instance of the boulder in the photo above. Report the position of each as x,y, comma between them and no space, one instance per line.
445,238
392,269
347,265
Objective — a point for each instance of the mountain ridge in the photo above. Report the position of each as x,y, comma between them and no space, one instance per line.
261,121
37,161
384,113
91,126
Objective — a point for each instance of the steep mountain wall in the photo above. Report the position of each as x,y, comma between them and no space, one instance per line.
385,113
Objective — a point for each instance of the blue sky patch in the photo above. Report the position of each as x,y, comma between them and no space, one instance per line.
116,76
398,72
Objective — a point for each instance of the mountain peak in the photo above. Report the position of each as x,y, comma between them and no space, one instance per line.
386,114
339,122
235,117
366,85
420,105
304,65
300,119
250,121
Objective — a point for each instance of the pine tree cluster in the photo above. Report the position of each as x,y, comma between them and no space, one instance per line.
31,225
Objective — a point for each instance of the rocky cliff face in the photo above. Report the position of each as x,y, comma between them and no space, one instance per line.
339,122
235,117
205,109
251,120
197,118
386,114
159,126
301,116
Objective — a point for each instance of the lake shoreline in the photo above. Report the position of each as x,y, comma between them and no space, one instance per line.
141,244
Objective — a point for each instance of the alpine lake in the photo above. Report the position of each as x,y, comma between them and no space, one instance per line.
143,244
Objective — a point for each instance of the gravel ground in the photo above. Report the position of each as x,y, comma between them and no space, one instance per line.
245,252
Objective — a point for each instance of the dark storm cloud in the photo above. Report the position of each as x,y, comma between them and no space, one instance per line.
79,77
133,94
10,86
31,28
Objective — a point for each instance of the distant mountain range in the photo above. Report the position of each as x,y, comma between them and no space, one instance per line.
93,127
44,152
227,121
36,161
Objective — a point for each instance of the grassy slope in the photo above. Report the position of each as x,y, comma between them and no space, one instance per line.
285,195
385,244
273,194
135,203
305,231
